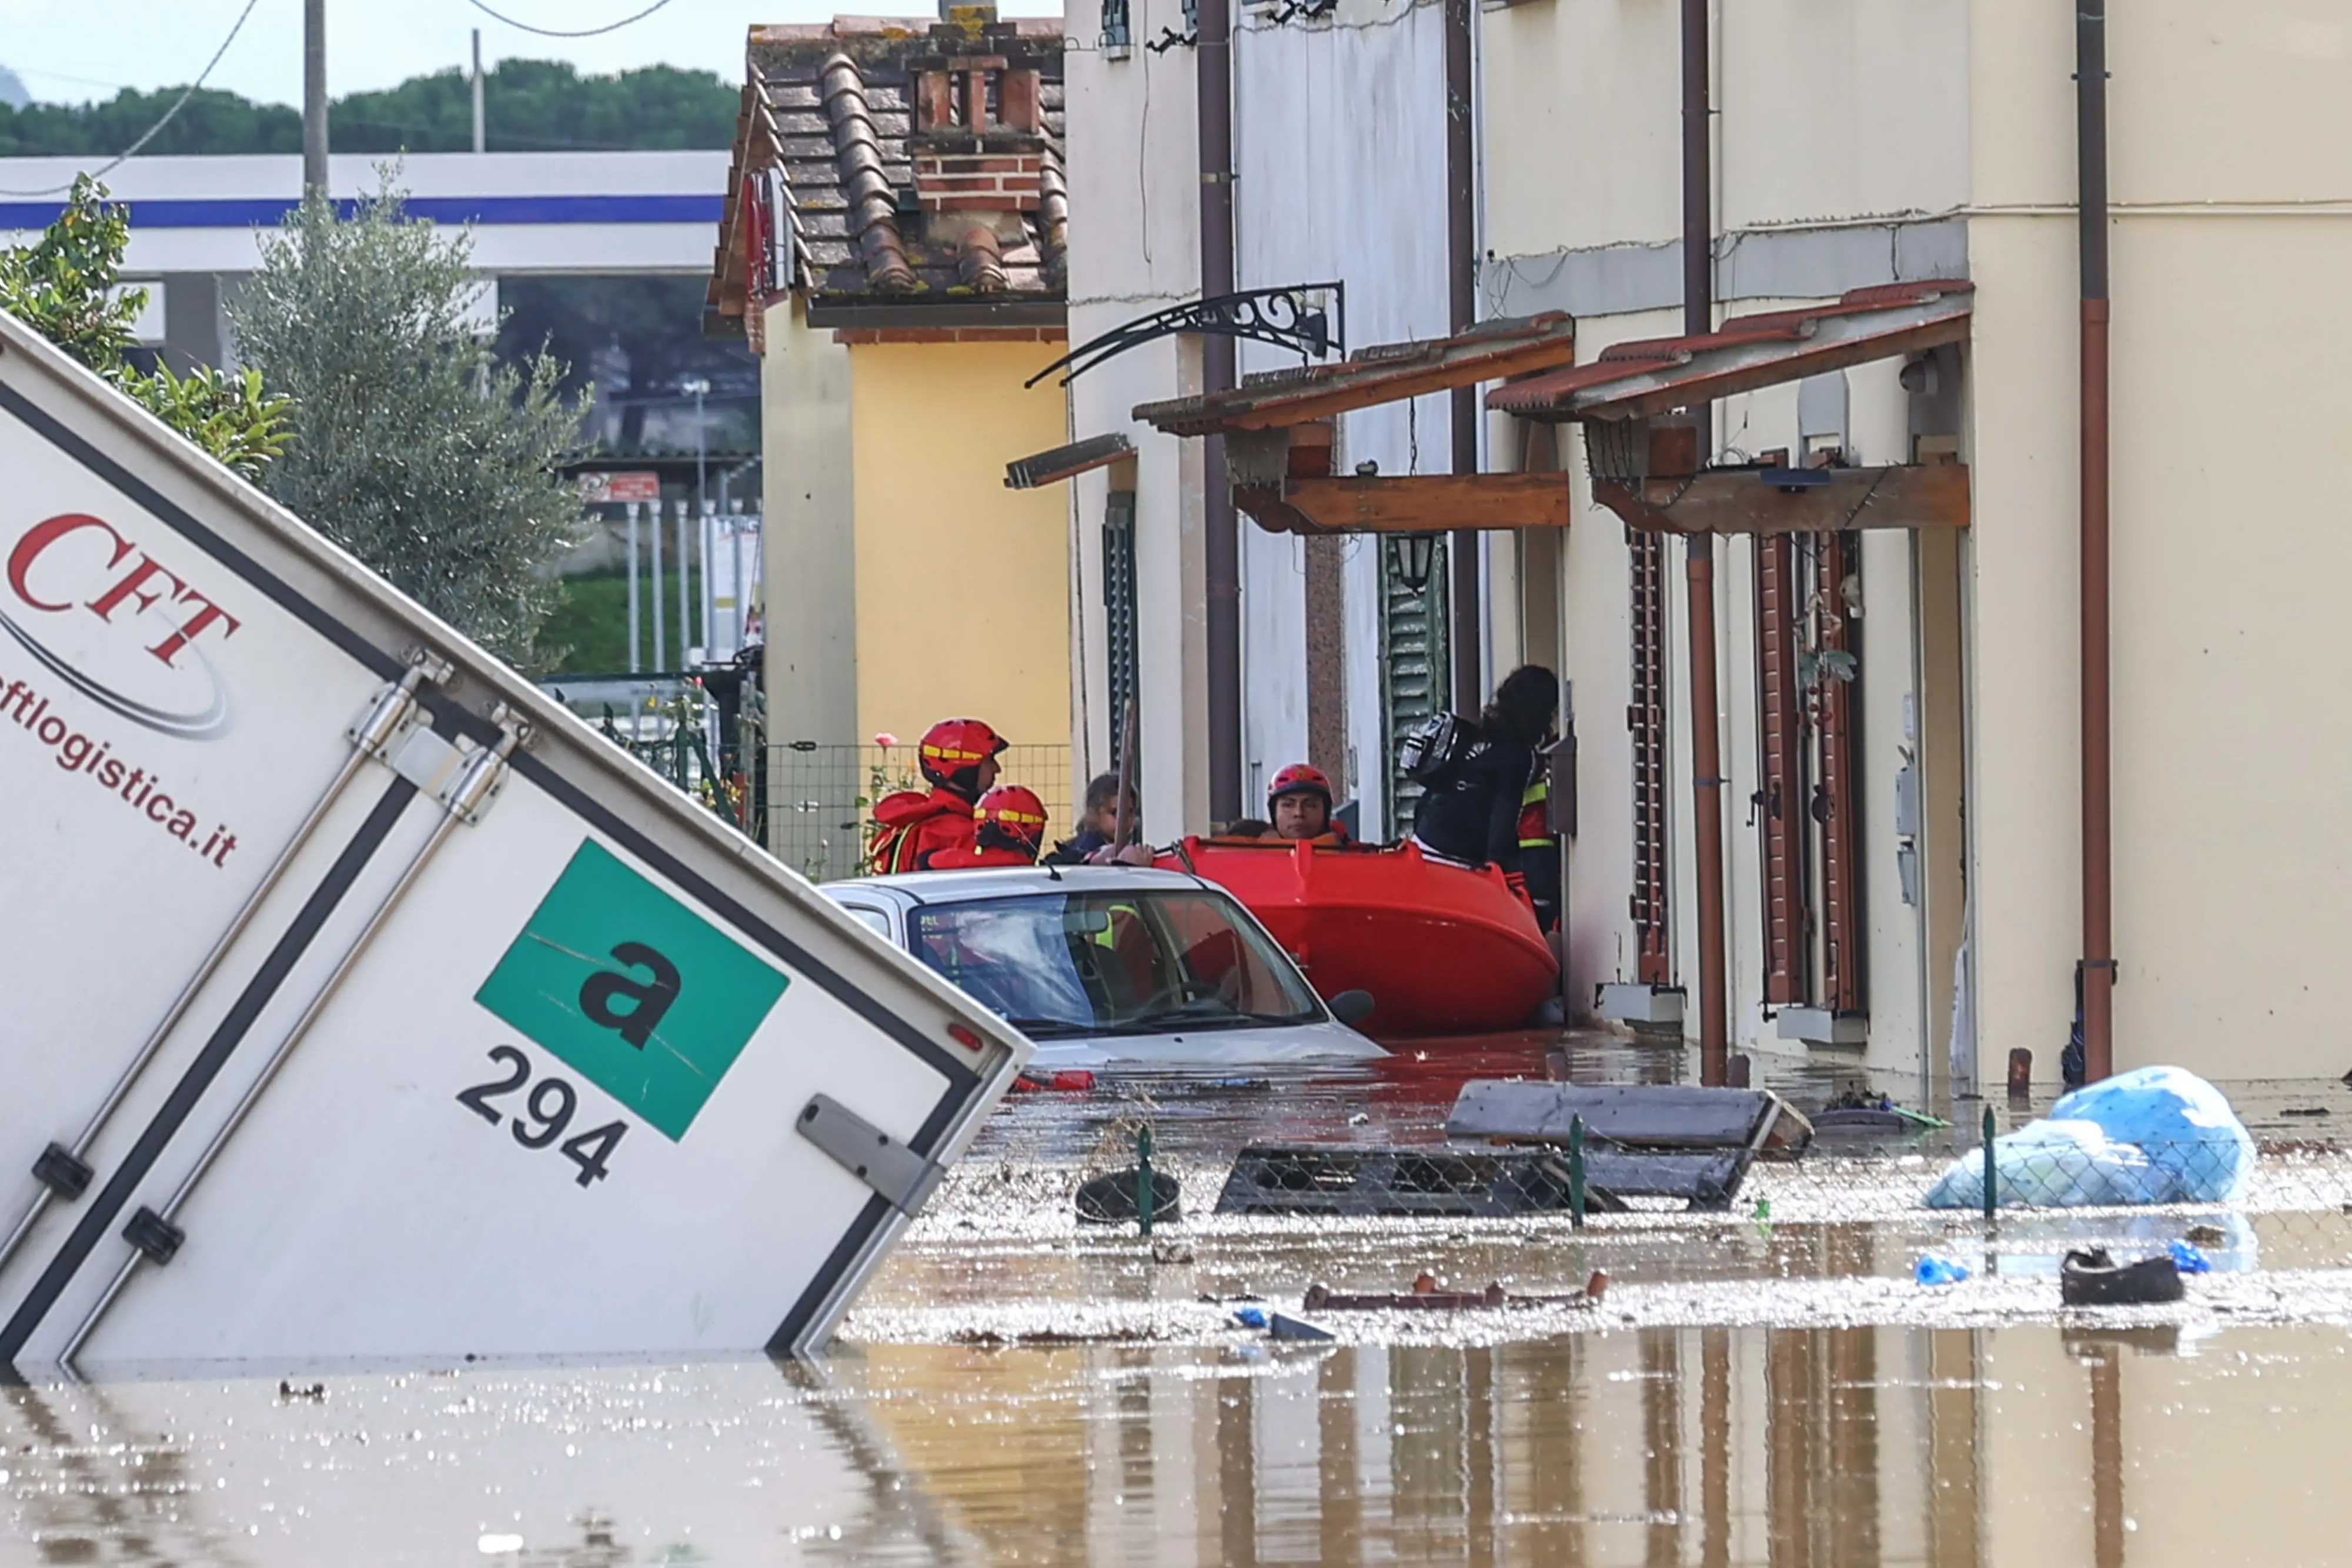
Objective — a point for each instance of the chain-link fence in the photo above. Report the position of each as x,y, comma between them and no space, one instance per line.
821,797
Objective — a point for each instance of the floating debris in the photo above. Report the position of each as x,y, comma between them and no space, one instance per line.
1426,1297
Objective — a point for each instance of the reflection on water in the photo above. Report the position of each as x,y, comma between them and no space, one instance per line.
1707,1447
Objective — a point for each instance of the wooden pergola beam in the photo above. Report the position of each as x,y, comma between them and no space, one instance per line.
1740,501
1408,504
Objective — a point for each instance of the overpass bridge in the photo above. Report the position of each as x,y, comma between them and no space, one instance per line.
196,223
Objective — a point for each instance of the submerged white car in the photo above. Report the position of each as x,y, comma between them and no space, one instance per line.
1113,965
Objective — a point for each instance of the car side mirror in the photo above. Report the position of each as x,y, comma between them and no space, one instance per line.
1351,1008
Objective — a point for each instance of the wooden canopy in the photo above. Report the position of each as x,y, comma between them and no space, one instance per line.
1280,427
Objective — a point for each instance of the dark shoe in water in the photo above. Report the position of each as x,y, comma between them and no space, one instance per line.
2093,1279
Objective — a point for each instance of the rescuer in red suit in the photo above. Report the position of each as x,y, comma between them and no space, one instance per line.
958,757
1009,828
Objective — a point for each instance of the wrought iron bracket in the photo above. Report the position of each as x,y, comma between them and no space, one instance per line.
1292,316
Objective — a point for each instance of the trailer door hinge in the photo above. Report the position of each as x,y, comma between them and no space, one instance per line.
901,1175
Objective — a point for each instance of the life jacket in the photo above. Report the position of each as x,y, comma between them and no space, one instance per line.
1535,814
912,827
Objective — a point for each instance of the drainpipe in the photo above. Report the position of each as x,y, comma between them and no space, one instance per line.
1706,739
2098,826
1462,311
1222,547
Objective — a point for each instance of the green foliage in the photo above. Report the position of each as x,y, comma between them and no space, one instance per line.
414,448
228,415
528,105
66,286
212,122
534,105
62,284
590,620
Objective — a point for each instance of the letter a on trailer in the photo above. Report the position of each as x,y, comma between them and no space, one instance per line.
359,1002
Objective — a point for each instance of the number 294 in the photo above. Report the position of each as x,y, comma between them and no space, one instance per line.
545,1115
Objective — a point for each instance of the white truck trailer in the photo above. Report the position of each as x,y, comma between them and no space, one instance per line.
356,1001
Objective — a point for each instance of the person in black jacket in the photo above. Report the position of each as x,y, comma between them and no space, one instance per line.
1470,812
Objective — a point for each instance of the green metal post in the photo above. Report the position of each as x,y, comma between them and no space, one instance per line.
1143,1194
1576,1171
1992,1197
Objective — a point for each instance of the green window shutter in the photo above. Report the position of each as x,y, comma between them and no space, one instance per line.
1416,669
1118,610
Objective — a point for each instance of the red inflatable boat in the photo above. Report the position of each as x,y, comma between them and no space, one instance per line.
1443,950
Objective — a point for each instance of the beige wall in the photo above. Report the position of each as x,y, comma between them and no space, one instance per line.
2232,162
963,585
811,569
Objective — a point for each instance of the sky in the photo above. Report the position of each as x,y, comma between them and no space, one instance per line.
71,51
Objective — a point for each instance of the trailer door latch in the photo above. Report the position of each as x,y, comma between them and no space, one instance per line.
901,1175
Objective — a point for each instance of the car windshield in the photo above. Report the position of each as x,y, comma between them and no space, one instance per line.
1148,962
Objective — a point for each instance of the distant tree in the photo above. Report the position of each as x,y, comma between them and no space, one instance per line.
529,106
66,287
414,448
212,122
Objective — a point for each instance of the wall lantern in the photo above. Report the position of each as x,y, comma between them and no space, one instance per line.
1415,554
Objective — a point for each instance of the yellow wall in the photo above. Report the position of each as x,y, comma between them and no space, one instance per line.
963,586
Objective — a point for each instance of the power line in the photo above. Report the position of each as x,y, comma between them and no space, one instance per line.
178,104
582,33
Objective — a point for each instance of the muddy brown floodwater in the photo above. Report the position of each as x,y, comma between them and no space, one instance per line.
1757,1388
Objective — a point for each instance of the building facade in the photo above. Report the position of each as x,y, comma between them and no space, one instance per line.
895,248
1897,695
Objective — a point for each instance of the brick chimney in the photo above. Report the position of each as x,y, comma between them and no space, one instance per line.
979,139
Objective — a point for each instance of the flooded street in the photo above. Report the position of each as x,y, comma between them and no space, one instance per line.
1766,1385
2018,1445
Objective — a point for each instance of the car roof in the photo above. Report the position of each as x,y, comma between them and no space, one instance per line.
1013,882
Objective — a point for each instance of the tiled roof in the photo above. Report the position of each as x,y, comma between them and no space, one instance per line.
832,107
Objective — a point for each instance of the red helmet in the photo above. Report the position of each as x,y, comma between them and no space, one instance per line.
953,748
1298,778
1010,817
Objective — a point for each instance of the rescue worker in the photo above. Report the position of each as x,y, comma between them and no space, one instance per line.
1008,829
958,757
1470,813
1539,858
1299,802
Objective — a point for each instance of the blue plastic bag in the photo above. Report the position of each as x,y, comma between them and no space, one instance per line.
1250,1317
2183,1125
2156,1134
1935,1271
2189,1259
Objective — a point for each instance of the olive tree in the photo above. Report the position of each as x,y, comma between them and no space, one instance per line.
412,447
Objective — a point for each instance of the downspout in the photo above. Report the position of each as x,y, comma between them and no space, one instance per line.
1462,311
1707,738
2098,824
1222,547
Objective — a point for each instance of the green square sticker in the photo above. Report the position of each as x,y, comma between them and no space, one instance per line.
639,994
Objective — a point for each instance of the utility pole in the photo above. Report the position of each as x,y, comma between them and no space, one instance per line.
481,140
1221,542
314,97
1706,718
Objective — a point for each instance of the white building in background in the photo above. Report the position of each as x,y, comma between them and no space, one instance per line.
1338,149
196,223
1926,152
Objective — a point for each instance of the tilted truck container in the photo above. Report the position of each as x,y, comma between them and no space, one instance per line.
357,1001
